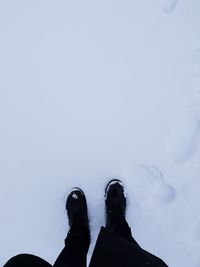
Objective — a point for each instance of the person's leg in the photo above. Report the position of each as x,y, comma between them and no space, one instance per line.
77,242
74,253
27,260
115,245
115,203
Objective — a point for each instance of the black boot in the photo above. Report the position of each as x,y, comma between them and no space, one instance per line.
115,202
77,241
76,206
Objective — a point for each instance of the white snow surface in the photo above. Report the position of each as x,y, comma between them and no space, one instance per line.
94,90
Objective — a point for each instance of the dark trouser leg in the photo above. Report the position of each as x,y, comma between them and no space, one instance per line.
75,251
113,249
26,260
122,229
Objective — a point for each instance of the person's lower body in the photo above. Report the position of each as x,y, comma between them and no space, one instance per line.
111,249
115,246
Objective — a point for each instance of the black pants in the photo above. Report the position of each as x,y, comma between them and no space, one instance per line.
111,249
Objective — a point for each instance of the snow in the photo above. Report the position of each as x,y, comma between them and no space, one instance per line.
92,90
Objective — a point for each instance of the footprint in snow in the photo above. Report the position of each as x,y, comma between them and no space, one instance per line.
148,185
168,6
188,127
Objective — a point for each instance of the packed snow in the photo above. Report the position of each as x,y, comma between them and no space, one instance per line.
92,90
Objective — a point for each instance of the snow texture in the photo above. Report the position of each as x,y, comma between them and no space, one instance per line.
94,90
169,6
